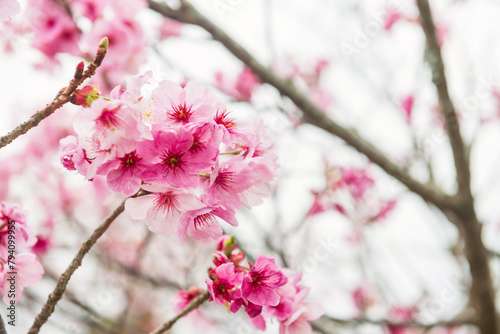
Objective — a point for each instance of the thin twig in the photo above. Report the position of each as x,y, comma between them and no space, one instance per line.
311,113
58,292
195,303
62,98
324,322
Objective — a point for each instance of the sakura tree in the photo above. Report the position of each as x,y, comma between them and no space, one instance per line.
243,167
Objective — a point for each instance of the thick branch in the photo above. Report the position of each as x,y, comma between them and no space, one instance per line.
62,98
58,292
312,114
482,292
195,303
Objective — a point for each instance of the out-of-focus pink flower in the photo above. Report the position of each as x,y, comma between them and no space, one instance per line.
12,219
407,106
28,272
126,51
18,267
182,298
361,297
385,209
90,9
8,9
260,284
293,312
170,28
401,314
356,180
442,32
392,16
244,86
246,83
320,204
55,32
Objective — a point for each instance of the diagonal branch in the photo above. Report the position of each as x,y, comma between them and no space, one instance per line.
57,293
311,113
195,303
62,98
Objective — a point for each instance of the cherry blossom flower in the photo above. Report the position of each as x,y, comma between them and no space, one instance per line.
227,124
226,182
260,284
298,322
162,208
201,224
222,288
171,160
123,173
177,105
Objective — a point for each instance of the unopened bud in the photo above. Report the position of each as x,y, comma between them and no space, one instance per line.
103,44
85,96
79,70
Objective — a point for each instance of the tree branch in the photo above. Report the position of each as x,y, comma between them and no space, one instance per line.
435,60
62,98
2,326
57,293
482,291
324,322
195,303
311,113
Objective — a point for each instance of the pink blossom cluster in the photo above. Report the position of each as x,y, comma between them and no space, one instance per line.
349,191
263,290
76,28
182,147
308,78
19,267
240,89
